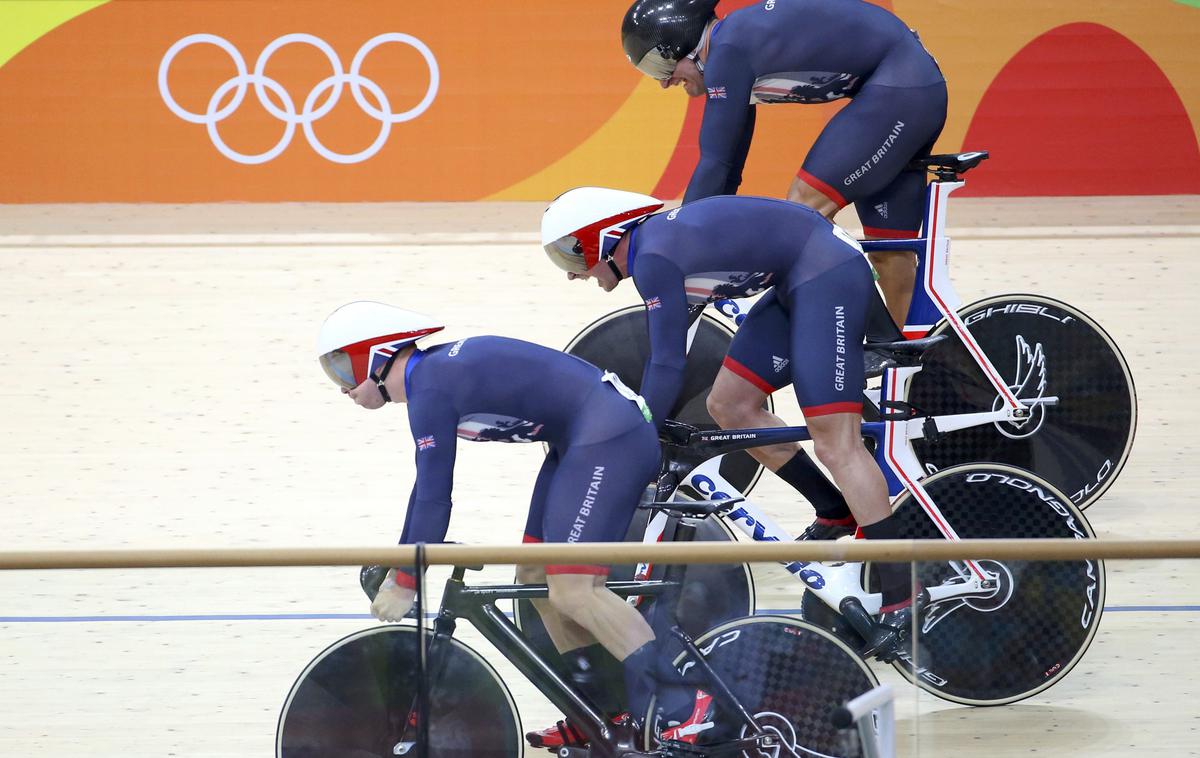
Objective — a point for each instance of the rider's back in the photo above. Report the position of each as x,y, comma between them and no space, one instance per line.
742,233
828,48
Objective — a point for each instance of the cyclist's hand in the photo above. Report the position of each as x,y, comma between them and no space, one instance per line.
393,601
675,432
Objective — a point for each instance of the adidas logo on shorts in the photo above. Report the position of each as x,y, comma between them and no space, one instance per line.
881,209
779,363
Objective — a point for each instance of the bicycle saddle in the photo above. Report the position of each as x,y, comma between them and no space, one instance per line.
949,166
906,347
693,508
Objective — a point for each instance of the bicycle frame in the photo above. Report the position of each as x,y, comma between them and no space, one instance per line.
902,472
477,605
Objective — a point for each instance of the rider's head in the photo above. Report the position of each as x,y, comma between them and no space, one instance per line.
582,227
657,34
360,342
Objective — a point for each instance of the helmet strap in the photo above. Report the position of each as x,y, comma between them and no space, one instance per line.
383,391
694,56
383,374
613,265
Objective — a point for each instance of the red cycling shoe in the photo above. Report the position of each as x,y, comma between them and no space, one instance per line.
699,722
564,734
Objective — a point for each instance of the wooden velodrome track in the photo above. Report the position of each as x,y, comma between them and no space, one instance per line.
161,391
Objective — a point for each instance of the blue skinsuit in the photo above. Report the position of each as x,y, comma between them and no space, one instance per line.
603,451
817,51
731,246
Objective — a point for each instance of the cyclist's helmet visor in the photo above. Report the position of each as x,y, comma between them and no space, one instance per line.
338,368
567,254
654,65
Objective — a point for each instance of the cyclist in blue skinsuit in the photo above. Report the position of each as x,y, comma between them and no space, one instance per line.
603,452
680,260
802,51
807,51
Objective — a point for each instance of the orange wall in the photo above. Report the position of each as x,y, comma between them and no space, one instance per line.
1071,97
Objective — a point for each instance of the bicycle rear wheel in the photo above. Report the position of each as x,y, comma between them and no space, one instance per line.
789,674
1037,625
711,594
1041,347
620,343
356,698
1044,614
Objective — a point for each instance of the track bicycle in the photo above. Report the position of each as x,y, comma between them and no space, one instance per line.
993,632
1046,388
776,681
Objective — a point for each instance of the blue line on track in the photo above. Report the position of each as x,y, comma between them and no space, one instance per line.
368,617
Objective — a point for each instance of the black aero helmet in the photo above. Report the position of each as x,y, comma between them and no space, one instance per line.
656,34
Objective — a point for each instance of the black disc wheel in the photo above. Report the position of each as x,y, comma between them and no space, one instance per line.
1028,631
619,342
711,594
1042,348
357,700
788,674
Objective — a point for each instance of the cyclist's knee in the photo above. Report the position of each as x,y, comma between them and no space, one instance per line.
732,405
893,262
531,574
572,594
721,408
834,448
805,194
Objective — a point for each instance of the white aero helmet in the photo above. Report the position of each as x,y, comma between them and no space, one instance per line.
582,225
359,339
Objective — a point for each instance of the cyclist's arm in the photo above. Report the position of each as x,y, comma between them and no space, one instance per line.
734,179
727,128
434,436
660,283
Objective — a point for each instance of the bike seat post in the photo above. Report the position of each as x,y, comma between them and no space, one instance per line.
668,481
685,531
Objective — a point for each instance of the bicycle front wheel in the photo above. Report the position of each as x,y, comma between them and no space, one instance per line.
1042,348
1036,625
357,699
788,674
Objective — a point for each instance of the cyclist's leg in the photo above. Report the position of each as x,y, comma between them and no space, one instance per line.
758,363
895,212
829,315
859,154
899,206
580,656
564,632
591,499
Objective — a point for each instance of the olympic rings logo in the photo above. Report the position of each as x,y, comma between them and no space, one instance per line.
309,114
